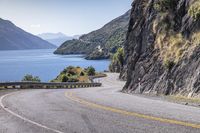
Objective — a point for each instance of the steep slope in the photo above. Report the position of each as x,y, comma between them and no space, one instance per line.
162,50
99,44
56,38
14,38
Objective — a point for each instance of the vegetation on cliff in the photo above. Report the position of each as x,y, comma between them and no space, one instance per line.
117,62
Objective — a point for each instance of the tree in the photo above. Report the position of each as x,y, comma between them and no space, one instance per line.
64,78
91,71
31,78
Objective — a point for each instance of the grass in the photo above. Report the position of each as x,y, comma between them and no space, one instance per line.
194,10
173,46
196,38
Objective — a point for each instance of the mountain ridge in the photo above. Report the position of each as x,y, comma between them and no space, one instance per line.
101,43
15,38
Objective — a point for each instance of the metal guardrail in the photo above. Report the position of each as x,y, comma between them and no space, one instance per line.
37,85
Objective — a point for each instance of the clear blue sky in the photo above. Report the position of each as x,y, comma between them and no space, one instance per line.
72,17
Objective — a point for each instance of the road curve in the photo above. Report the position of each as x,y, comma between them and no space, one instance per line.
93,110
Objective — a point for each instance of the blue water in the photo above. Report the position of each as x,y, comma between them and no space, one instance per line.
43,63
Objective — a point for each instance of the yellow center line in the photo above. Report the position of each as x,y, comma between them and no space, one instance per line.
123,112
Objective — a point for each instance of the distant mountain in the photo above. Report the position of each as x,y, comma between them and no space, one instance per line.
57,38
14,38
99,44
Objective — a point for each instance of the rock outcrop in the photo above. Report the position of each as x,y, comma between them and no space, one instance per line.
162,49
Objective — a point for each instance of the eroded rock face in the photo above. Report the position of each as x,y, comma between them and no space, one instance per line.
150,67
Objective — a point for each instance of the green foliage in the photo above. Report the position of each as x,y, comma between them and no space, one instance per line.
91,71
64,78
75,74
31,78
117,61
119,56
194,10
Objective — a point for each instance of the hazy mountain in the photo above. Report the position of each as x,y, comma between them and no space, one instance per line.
57,38
14,38
99,44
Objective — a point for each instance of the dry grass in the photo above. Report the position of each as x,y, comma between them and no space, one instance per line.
194,10
174,46
196,38
84,79
185,99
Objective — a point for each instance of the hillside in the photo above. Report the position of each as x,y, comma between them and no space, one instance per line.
14,38
99,44
162,50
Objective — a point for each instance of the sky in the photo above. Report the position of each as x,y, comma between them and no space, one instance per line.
71,17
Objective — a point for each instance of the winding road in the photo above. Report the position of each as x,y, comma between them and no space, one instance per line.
93,110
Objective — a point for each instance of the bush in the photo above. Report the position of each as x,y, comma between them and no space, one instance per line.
194,10
64,78
119,56
31,78
91,71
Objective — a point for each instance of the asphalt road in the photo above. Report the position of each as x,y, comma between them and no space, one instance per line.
93,110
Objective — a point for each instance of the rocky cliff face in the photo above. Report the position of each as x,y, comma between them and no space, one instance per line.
162,49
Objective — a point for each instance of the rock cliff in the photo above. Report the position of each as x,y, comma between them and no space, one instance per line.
162,48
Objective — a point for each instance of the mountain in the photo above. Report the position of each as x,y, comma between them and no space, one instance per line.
99,44
56,38
162,49
14,38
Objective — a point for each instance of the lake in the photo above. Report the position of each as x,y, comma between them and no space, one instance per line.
43,63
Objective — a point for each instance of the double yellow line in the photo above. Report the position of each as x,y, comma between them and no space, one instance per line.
123,112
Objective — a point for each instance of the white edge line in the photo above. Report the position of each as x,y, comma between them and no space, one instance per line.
23,118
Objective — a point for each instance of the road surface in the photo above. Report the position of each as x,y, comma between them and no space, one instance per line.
93,110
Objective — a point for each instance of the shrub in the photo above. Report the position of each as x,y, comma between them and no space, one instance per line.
194,10
64,78
31,78
91,71
119,56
